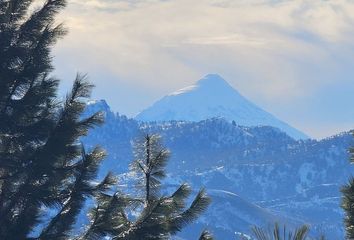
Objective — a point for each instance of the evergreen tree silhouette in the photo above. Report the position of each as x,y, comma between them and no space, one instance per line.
42,163
348,202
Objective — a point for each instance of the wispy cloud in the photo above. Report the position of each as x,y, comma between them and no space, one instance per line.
233,39
112,6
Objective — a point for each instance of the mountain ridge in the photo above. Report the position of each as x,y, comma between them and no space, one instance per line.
299,180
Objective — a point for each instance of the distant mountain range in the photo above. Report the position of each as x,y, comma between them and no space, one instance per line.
212,97
255,175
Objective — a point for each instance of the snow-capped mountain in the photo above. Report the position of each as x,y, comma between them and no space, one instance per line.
212,97
255,175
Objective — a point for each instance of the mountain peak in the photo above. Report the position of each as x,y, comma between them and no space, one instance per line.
212,97
212,79
209,84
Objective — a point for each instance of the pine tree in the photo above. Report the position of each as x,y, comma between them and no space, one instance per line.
160,216
42,163
281,234
348,202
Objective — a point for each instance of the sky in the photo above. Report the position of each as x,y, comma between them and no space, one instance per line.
295,59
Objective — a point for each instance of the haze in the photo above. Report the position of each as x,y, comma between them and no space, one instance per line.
293,58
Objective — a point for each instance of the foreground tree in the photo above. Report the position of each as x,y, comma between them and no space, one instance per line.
281,234
159,216
348,203
42,164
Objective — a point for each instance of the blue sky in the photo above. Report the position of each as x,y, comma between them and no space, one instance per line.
293,58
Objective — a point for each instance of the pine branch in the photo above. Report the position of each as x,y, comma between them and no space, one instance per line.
60,147
61,225
299,233
206,236
179,197
198,206
108,218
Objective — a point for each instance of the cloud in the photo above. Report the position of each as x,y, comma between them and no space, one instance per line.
272,51
227,40
111,6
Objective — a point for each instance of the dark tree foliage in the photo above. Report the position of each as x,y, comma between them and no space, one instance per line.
278,233
205,236
348,202
42,164
159,216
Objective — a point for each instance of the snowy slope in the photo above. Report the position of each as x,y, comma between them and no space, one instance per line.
212,97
